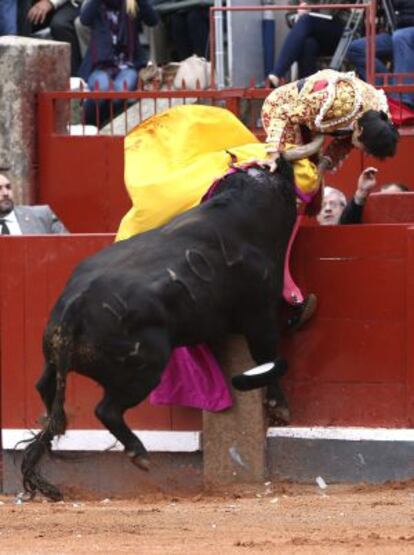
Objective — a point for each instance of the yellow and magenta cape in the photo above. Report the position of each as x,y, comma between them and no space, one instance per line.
172,159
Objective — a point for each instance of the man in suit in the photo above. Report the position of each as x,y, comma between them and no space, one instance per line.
25,220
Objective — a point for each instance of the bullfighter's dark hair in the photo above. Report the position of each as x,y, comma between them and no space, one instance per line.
379,135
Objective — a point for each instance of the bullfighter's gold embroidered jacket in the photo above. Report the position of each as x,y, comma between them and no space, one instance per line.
325,102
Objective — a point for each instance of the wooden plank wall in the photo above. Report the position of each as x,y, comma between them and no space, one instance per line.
352,365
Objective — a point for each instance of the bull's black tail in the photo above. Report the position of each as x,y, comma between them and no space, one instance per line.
41,443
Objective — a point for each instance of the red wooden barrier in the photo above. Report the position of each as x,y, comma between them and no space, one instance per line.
37,269
82,177
352,365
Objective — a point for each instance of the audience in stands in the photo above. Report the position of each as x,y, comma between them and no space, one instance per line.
335,208
25,220
58,16
313,34
115,55
8,17
397,47
187,24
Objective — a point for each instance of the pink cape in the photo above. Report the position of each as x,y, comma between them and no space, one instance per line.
193,379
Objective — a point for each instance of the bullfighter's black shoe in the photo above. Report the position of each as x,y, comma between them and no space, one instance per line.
261,376
303,312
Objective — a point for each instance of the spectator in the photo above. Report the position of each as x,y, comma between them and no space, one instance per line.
313,34
8,17
391,188
352,213
59,15
24,220
397,46
335,208
187,23
114,56
333,204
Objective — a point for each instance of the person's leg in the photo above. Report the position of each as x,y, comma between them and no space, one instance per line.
403,50
62,29
96,112
8,17
24,27
327,33
126,80
357,54
83,34
303,308
99,80
307,62
179,35
197,28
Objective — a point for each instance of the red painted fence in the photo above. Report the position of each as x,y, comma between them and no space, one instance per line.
352,365
82,177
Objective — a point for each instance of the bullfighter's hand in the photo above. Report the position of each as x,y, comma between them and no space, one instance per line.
38,13
271,162
366,182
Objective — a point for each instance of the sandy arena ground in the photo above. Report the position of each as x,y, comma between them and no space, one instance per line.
272,518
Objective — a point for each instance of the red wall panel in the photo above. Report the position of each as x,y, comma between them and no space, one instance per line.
353,364
38,268
82,178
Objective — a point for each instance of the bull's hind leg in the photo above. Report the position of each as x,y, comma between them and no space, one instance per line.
46,386
132,385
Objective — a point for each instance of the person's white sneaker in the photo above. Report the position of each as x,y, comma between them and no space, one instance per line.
273,80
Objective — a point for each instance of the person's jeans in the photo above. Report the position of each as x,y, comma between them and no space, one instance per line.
309,38
189,32
62,28
125,79
399,47
8,17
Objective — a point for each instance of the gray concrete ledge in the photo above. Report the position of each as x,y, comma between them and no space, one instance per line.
339,460
111,474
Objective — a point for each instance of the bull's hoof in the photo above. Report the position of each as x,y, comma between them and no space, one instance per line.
278,415
140,461
260,376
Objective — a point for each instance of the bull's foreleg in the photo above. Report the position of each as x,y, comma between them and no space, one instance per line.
262,337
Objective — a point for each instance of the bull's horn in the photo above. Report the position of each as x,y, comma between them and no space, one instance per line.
304,151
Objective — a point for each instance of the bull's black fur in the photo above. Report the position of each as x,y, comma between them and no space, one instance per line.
214,269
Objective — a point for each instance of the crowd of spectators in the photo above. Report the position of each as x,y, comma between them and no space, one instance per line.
317,33
109,32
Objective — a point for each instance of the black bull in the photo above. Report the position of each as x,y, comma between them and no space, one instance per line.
215,269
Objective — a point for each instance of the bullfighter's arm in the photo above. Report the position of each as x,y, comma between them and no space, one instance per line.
285,110
336,152
280,114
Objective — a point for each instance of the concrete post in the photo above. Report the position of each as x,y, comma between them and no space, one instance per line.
234,441
27,66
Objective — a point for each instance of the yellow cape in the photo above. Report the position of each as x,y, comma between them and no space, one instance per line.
172,159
